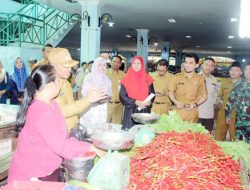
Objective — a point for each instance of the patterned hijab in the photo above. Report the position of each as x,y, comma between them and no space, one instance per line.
20,76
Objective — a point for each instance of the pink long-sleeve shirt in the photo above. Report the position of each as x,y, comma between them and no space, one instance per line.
43,143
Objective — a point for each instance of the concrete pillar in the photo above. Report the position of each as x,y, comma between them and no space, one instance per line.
179,56
142,44
90,30
165,50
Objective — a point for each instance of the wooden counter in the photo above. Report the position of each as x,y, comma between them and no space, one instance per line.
7,146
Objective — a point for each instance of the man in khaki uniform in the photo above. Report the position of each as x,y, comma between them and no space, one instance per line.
46,50
162,78
115,108
188,90
62,62
225,90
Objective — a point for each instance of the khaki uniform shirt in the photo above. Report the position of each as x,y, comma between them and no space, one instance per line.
225,90
115,78
226,87
188,90
161,84
69,107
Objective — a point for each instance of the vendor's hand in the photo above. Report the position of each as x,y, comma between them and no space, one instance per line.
95,95
140,104
98,151
179,105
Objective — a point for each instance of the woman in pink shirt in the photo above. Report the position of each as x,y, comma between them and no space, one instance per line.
43,140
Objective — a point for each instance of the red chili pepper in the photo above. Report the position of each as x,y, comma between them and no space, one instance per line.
183,161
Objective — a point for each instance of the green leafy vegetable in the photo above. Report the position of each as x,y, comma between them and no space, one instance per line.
237,150
173,122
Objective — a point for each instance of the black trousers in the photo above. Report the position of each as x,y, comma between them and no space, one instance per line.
208,123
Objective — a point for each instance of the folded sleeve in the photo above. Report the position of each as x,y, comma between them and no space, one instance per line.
173,84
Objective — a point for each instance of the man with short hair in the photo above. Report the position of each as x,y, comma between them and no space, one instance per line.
188,90
46,50
162,78
61,60
239,99
226,87
115,108
206,110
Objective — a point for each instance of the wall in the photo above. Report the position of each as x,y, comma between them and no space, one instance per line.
9,54
10,6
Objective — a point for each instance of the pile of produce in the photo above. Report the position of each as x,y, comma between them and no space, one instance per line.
237,150
173,122
183,161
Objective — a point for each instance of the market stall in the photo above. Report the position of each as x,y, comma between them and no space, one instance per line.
7,136
169,154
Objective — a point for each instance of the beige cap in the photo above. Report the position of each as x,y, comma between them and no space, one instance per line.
61,56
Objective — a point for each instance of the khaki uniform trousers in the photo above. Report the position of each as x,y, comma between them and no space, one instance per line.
115,113
222,126
160,108
189,115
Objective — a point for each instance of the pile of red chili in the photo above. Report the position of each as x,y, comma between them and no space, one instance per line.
186,161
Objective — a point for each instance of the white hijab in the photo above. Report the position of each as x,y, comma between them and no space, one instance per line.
96,80
2,75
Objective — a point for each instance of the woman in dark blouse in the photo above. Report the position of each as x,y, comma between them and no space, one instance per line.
135,88
5,85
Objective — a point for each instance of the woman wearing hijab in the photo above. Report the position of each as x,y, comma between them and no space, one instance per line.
96,79
20,75
135,88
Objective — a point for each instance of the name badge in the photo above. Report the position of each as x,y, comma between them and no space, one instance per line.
180,83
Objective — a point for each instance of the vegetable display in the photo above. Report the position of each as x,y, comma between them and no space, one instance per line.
185,161
237,150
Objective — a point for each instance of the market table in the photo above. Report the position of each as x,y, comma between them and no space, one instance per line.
7,145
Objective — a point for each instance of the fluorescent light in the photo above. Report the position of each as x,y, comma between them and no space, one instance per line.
234,19
156,43
78,49
128,36
229,47
188,36
171,20
111,24
243,60
198,46
244,31
231,37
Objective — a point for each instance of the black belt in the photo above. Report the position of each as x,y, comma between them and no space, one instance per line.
160,102
117,102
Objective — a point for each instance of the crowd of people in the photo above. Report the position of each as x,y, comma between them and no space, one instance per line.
53,99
